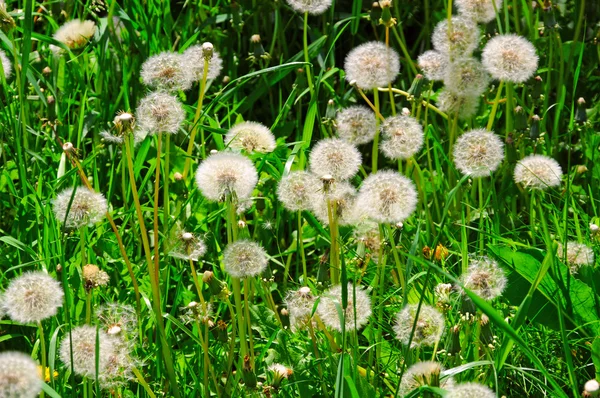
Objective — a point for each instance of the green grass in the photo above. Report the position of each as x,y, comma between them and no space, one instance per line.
545,324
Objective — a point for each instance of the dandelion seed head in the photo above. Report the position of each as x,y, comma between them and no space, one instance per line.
193,60
478,153
252,137
160,112
402,137
367,233
166,71
6,64
356,124
372,65
195,312
467,77
117,319
577,255
313,7
460,42
187,246
84,351
387,197
19,377
479,10
74,34
341,194
452,103
300,304
87,208
428,329
538,172
433,64
94,276
331,299
226,173
470,390
32,297
298,190
425,373
510,58
335,157
484,277
244,258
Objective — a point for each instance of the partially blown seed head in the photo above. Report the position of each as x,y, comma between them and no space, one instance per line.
252,137
300,304
478,153
160,112
372,65
479,10
225,173
117,319
577,255
387,197
466,76
425,373
452,103
19,376
166,71
298,190
356,124
87,208
433,64
460,41
335,157
470,390
244,258
74,34
484,278
538,172
402,137
428,329
193,60
331,299
32,297
6,65
187,246
84,351
313,7
510,58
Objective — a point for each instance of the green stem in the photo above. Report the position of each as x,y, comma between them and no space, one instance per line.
43,354
166,176
375,152
202,89
481,210
156,196
495,107
306,56
301,248
334,262
247,282
510,107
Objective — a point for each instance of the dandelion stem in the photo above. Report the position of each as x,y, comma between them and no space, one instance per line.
387,44
202,89
334,254
43,354
301,247
156,196
247,282
510,107
166,176
375,152
495,107
306,56
406,94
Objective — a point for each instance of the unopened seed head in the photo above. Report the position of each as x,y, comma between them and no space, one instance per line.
538,172
19,377
478,153
335,157
402,137
252,137
86,208
356,314
356,124
510,58
244,258
224,174
372,65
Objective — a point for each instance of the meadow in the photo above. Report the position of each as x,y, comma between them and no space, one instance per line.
299,198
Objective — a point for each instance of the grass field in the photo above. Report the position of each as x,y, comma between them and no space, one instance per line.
438,241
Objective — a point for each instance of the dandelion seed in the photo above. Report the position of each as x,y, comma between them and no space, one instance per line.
313,7
32,297
510,58
117,319
251,136
484,278
387,197
244,258
356,124
193,59
335,157
538,172
94,277
577,255
453,103
19,376
470,390
460,41
298,190
300,304
195,312
74,34
367,233
223,174
442,293
356,314
160,112
428,328
86,208
478,153
342,195
166,71
433,64
425,373
483,11
466,77
6,65
84,351
372,65
187,246
402,137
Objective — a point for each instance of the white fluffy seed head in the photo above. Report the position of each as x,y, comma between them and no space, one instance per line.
356,124
193,60
460,41
313,7
331,299
484,277
83,348
433,64
244,258
187,246
538,172
298,190
387,197
372,65
402,137
166,71
428,329
19,377
335,157
470,390
74,34
252,137
117,319
577,255
478,153
32,297
87,208
479,10
341,196
466,76
160,112
300,304
510,58
6,64
452,103
226,173
425,373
